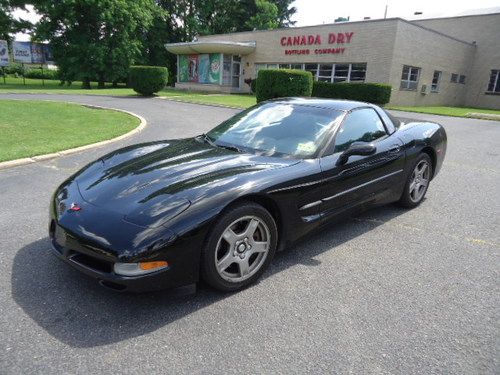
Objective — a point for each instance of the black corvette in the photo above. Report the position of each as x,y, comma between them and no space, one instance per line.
218,206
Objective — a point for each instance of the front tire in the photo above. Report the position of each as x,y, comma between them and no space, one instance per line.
240,247
417,183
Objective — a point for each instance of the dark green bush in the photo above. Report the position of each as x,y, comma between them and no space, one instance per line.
253,84
14,68
280,83
146,80
376,93
37,73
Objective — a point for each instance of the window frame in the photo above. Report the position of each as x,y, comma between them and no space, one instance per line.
461,79
406,83
330,146
496,83
454,78
356,67
436,86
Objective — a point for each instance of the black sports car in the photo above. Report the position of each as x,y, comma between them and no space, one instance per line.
218,206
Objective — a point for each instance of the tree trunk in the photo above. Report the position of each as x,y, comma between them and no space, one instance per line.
86,83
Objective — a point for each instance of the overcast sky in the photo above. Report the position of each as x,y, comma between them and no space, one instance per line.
315,12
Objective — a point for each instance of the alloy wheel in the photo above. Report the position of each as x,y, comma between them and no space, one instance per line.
419,181
242,248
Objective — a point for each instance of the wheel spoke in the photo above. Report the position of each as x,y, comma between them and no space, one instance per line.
251,228
225,262
259,247
413,186
423,169
230,236
424,182
244,267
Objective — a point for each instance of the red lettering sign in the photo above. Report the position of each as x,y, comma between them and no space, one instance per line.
311,39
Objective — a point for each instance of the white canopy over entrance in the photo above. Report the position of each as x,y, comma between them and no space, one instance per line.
231,48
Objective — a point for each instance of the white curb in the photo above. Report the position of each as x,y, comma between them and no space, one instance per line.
34,159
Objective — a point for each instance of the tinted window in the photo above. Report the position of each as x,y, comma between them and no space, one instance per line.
362,125
277,128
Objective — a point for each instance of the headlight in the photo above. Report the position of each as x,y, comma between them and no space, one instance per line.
141,268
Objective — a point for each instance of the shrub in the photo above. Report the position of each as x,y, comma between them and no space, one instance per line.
376,93
253,84
146,80
279,83
14,68
38,73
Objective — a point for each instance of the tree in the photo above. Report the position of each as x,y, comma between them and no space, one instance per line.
190,18
9,25
265,18
285,12
95,39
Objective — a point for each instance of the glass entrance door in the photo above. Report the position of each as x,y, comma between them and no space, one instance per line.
236,65
231,70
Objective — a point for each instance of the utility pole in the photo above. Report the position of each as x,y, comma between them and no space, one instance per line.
385,13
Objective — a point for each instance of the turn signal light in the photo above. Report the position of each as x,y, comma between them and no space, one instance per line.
138,269
146,266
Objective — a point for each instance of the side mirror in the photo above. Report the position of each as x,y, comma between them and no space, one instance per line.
357,148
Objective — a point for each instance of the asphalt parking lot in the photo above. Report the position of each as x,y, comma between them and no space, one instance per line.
391,291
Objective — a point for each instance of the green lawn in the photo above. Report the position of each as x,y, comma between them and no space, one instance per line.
15,85
446,111
30,128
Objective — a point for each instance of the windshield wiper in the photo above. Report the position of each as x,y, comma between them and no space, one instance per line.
208,139
232,148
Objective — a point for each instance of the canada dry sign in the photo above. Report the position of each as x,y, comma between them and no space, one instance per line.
335,43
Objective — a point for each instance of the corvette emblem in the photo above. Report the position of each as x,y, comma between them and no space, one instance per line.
74,207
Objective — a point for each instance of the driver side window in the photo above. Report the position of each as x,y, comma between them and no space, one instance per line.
361,125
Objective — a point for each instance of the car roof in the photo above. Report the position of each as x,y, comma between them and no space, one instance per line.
338,104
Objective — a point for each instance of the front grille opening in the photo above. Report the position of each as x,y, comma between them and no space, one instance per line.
112,285
93,263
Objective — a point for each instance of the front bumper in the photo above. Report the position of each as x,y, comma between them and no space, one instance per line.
102,269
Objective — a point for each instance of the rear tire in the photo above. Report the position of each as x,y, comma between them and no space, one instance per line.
417,183
239,248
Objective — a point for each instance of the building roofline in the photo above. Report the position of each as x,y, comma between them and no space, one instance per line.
438,32
352,22
463,16
308,27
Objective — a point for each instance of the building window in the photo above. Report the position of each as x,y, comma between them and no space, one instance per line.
313,68
409,78
494,83
461,79
358,73
436,80
454,78
341,73
325,72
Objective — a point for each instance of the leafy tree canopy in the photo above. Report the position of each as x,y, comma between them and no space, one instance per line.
9,25
95,39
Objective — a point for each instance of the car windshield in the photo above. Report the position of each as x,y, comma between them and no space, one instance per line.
277,129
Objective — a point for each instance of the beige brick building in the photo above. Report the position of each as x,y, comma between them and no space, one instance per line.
441,61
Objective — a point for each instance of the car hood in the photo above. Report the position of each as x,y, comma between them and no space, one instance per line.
151,183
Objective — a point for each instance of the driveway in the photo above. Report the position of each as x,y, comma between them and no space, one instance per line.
391,291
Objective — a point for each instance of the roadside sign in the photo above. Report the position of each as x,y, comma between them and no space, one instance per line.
22,52
4,53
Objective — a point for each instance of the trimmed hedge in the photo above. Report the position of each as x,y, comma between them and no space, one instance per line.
146,80
376,93
280,83
37,73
